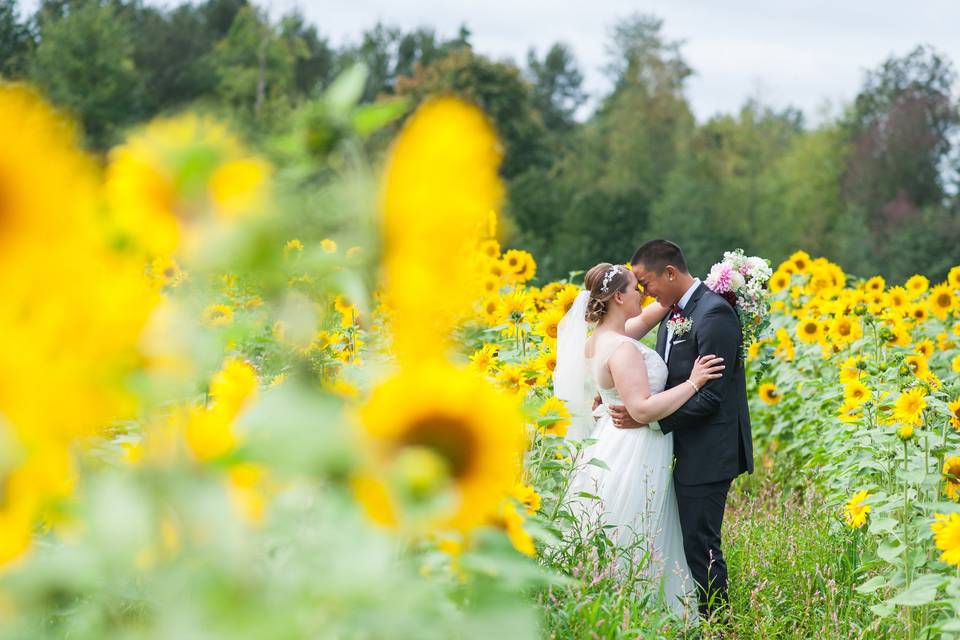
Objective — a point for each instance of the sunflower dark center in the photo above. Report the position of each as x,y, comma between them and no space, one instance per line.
449,438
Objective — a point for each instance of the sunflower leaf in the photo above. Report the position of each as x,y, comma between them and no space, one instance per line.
922,591
597,462
872,584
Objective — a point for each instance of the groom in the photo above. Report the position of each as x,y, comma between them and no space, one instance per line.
712,440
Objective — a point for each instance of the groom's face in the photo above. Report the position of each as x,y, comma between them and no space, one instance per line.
657,284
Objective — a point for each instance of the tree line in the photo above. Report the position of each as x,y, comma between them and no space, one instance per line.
874,187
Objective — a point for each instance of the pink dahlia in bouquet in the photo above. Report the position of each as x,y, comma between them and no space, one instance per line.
742,280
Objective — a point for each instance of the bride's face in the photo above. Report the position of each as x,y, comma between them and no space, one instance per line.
631,298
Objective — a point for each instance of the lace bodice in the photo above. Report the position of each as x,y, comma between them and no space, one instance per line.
600,373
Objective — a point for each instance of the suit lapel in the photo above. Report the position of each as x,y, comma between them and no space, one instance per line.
662,336
694,299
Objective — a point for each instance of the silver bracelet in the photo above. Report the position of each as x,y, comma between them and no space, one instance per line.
693,384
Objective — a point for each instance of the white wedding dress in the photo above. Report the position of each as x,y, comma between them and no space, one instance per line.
636,494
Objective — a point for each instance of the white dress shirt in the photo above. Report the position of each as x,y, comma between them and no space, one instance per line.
682,304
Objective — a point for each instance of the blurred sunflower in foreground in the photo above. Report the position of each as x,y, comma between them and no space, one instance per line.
72,312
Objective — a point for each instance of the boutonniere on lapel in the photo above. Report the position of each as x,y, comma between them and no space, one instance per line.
679,325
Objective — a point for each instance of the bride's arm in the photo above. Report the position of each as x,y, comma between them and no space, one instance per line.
640,325
629,371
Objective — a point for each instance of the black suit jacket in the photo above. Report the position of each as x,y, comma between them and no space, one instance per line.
712,426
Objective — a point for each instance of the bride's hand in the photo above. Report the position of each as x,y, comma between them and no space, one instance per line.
705,369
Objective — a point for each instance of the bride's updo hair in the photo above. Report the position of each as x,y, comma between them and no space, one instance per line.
602,281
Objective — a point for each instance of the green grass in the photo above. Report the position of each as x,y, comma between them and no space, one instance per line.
791,575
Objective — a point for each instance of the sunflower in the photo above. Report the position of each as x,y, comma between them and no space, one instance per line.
899,335
515,305
491,310
519,265
905,432
165,272
856,510
800,261
175,173
512,522
234,386
753,351
554,417
527,270
856,393
785,347
516,378
875,284
850,369
951,477
916,286
955,364
845,329
490,285
809,330
946,536
941,301
917,364
779,281
918,312
547,363
768,393
436,201
953,278
955,413
490,248
909,407
944,343
468,436
485,358
549,320
849,412
898,298
496,269
527,496
565,297
924,348
328,245
218,315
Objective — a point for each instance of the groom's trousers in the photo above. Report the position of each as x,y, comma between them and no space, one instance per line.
701,517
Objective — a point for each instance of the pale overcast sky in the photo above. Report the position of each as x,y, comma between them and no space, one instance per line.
806,54
803,54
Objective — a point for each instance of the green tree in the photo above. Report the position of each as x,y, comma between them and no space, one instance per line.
254,66
314,65
557,86
902,128
84,62
499,89
171,53
16,41
718,195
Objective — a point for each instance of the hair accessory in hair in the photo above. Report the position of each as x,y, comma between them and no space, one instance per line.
608,276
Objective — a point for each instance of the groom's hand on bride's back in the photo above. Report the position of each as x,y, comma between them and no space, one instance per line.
622,419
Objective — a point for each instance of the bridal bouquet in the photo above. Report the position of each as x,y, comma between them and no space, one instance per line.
742,280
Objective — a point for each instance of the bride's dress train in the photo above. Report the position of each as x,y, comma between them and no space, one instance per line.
635,491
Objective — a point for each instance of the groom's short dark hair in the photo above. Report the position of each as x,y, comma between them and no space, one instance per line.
657,254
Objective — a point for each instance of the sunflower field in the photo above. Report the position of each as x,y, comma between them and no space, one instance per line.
297,392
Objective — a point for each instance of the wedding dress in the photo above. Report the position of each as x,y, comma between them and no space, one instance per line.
635,490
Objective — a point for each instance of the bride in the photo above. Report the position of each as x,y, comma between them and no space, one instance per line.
635,490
